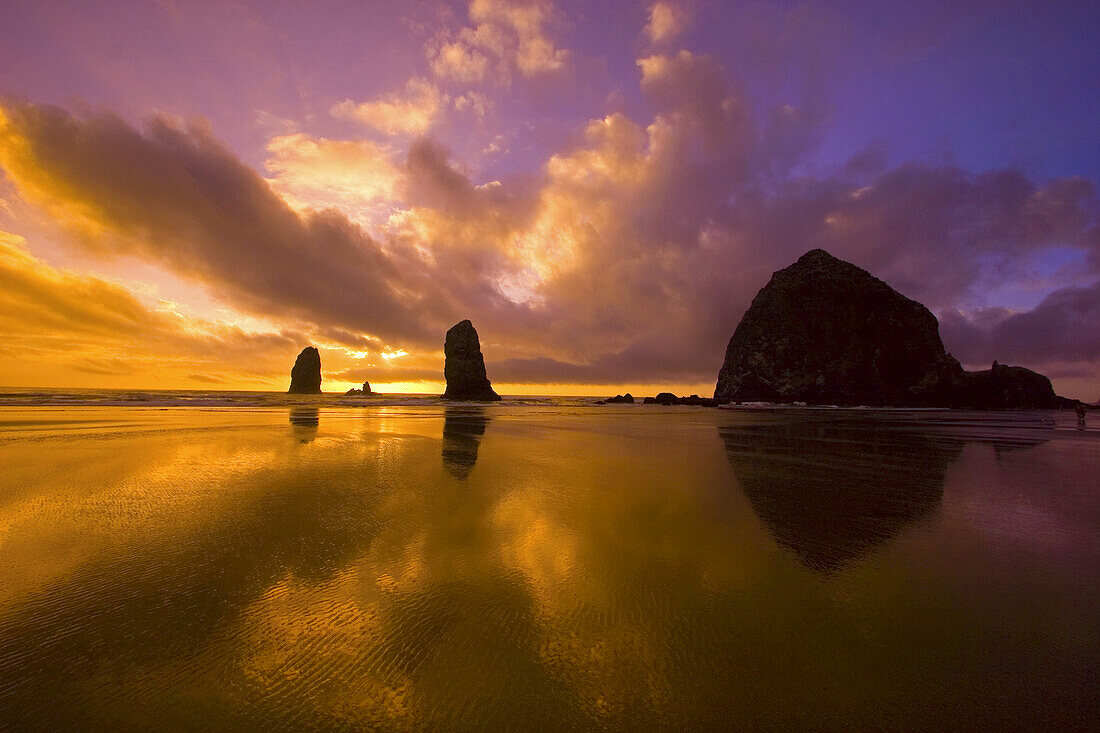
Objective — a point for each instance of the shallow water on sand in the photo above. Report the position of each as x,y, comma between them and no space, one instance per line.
533,567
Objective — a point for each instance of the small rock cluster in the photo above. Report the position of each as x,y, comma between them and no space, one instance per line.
667,398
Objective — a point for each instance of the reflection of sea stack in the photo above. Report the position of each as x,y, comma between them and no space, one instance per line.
305,416
305,377
304,422
832,493
462,431
824,331
464,367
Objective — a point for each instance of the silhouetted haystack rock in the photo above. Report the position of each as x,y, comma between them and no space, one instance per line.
464,366
305,377
667,398
623,399
824,331
366,391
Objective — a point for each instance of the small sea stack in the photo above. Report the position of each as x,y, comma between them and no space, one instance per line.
464,366
365,391
305,377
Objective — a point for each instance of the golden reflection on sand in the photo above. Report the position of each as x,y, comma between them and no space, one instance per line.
330,569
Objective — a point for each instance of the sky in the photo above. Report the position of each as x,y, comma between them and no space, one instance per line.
192,192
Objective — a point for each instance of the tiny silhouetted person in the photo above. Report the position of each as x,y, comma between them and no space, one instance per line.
1081,409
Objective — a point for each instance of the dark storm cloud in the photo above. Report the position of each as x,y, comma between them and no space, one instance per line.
639,363
176,195
93,326
1062,328
433,181
930,231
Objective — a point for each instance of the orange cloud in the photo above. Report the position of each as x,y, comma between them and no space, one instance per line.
359,177
412,114
506,36
667,21
459,60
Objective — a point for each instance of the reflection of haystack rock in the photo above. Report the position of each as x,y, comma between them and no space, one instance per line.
464,367
831,494
462,432
305,377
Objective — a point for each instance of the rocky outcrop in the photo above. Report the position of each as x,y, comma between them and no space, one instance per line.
1003,386
305,377
667,398
366,391
464,366
824,331
619,399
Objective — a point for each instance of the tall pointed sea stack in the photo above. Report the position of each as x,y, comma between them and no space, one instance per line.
824,331
305,377
464,367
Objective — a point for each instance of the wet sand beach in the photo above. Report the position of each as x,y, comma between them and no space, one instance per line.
545,565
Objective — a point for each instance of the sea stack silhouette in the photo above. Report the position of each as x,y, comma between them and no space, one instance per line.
824,331
464,366
305,377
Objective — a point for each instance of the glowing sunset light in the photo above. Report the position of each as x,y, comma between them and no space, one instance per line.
586,365
602,187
